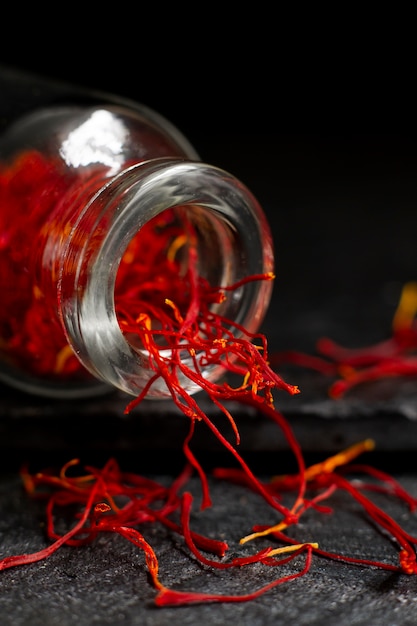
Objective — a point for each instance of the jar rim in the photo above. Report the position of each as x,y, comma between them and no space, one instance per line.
120,209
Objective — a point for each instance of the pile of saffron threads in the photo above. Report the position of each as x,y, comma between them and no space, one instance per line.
169,311
350,367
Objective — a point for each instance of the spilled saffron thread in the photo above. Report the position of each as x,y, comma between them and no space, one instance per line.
395,357
113,501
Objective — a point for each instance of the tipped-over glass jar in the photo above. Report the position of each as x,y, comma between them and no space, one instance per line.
107,216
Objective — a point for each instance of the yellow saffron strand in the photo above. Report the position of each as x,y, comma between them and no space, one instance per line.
263,533
178,243
341,458
62,357
407,307
292,548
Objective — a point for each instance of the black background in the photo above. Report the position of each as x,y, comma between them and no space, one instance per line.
275,72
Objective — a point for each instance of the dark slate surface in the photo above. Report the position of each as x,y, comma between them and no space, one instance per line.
107,584
342,207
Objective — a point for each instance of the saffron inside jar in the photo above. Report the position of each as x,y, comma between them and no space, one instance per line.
155,281
31,336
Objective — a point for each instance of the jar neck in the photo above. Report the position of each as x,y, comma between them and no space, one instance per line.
232,241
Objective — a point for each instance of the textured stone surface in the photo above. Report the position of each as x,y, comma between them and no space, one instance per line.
106,583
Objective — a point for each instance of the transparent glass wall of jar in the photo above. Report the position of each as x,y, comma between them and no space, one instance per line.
78,183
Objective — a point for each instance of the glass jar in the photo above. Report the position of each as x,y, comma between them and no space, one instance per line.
80,184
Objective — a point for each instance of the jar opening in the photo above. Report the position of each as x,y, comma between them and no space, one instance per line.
176,264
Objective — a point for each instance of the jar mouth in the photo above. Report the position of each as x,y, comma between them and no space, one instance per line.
185,200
